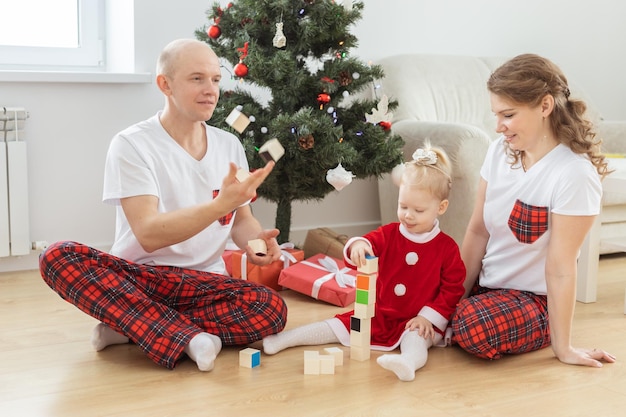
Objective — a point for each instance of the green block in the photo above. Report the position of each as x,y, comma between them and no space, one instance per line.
362,297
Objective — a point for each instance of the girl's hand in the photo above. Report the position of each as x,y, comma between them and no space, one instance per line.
423,326
358,251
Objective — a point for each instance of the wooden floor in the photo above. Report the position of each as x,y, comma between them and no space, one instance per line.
47,368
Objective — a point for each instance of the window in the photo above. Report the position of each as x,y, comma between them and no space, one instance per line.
52,35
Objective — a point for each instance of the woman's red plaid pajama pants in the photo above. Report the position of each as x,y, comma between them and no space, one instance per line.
161,308
491,323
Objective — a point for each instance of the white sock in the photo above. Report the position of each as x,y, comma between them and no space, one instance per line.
318,333
203,350
413,355
103,336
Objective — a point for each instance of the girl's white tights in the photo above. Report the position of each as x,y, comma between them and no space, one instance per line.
318,333
413,355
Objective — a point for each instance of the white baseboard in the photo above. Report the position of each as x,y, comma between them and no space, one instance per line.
31,261
20,263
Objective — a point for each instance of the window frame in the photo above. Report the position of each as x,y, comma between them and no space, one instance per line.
88,56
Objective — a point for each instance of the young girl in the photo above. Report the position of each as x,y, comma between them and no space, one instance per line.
420,277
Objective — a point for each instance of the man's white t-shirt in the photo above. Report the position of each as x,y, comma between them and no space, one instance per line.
144,160
518,208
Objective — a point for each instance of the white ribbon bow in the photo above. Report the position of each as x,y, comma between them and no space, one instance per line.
422,156
341,275
285,256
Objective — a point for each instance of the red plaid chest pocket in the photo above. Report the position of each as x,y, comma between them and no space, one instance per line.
528,223
224,220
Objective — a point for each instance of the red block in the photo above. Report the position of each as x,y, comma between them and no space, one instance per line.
323,278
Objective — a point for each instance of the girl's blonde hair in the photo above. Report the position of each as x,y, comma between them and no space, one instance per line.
429,169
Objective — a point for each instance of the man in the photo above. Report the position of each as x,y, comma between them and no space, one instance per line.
178,200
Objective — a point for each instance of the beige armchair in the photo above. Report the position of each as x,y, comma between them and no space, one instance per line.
444,99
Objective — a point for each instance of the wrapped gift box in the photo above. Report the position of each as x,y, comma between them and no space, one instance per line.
267,274
322,277
324,240
227,256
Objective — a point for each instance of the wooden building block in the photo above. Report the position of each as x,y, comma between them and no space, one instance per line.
360,353
249,358
271,150
364,311
360,331
311,362
366,282
337,353
360,339
258,246
365,297
327,364
242,175
237,120
371,265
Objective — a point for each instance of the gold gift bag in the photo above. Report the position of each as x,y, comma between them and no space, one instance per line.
324,240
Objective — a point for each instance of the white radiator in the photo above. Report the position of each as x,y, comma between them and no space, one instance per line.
14,213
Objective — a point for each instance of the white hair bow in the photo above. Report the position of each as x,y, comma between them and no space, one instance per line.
422,156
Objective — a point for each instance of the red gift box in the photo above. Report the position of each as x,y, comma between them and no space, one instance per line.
228,261
266,274
323,278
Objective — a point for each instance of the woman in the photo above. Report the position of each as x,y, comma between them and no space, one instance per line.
538,196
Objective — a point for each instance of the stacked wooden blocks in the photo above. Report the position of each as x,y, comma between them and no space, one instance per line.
316,364
361,321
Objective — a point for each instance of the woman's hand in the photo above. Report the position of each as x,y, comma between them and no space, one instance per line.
586,357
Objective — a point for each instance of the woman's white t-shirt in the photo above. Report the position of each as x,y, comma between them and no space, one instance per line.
518,207
144,160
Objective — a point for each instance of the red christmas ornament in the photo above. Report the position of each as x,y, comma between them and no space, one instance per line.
241,70
214,32
323,98
385,125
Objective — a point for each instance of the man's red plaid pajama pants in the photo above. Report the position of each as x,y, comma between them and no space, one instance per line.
161,308
491,323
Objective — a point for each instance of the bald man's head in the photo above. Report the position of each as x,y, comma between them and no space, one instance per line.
175,53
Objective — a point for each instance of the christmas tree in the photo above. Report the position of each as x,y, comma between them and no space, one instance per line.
298,51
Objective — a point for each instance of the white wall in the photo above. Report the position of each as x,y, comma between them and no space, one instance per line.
71,123
586,39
